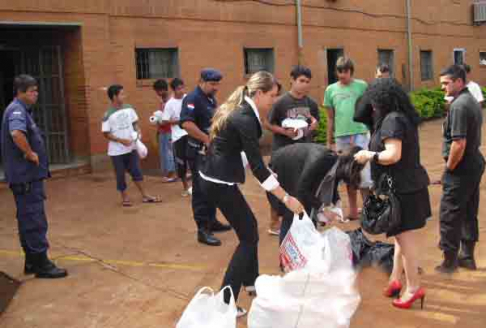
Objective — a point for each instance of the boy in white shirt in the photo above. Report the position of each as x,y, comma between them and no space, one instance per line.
473,87
120,128
171,115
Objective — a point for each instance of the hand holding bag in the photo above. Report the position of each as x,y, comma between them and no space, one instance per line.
381,211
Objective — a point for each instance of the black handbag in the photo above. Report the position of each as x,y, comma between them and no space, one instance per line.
381,211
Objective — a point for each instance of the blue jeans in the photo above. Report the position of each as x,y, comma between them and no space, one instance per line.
167,163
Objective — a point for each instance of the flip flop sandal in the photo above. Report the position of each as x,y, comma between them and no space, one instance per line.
169,180
127,203
152,200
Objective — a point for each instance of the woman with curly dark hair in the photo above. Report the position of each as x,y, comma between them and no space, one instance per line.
395,150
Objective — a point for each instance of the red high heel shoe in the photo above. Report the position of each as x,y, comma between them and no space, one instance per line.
393,289
418,295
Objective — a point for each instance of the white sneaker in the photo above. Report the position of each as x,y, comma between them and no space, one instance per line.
189,191
240,312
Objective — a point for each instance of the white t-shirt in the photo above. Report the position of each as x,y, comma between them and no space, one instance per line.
119,122
475,90
172,112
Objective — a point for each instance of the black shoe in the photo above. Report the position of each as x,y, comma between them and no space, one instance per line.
449,265
217,226
44,268
466,256
29,264
205,237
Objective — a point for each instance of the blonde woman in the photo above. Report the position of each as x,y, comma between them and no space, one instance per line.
236,128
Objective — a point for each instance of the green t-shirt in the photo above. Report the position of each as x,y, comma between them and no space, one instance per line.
342,98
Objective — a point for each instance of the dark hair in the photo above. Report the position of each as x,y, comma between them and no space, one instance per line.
348,169
454,72
22,83
345,64
114,90
384,68
299,70
175,83
387,95
467,68
161,85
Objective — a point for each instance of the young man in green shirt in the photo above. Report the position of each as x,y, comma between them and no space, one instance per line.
342,131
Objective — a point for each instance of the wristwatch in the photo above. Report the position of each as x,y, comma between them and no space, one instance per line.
285,198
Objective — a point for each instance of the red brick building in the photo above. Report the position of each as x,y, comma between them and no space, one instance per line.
76,48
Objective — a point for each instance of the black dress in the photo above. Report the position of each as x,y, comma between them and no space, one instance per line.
410,177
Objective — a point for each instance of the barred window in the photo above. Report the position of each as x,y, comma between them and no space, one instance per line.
385,56
258,60
157,63
482,58
426,65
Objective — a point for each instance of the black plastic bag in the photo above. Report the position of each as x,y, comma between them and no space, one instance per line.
367,253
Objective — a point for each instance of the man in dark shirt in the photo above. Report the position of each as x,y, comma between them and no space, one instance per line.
295,104
464,168
198,108
26,167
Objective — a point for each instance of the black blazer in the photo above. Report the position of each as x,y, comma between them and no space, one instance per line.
240,133
301,168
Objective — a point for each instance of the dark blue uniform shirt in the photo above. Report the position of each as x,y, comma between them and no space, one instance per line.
17,168
199,108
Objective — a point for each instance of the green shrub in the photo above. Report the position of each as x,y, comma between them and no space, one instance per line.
321,136
484,95
429,103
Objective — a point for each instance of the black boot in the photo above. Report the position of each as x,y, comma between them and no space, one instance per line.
217,226
466,256
206,237
449,265
29,264
44,268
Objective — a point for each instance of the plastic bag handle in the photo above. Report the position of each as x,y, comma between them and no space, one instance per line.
304,217
203,289
232,298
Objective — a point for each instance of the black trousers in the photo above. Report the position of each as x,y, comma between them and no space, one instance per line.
180,155
204,211
459,209
243,267
31,217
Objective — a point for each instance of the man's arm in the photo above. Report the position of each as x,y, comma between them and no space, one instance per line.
109,136
196,133
458,147
20,140
330,127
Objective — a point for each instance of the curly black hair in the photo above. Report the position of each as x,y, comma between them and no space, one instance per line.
387,95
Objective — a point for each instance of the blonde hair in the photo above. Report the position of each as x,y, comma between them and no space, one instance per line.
262,80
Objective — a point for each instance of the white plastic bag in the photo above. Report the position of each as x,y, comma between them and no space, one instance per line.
321,293
209,311
300,244
139,145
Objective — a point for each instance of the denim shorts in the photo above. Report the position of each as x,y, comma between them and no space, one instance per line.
361,140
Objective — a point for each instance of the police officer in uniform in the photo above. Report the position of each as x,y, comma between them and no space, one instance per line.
197,111
459,229
26,166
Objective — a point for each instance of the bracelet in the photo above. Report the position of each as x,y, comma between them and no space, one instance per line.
285,198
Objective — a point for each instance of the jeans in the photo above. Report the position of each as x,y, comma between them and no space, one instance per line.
127,162
167,163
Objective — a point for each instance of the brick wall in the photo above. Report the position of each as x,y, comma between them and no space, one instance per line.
214,33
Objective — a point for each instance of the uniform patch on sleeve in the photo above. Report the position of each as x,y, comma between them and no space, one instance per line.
190,106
